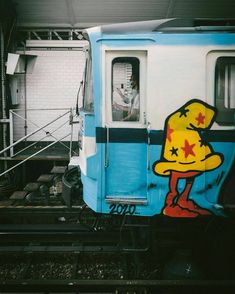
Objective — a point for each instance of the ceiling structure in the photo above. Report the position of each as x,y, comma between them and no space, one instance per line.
87,13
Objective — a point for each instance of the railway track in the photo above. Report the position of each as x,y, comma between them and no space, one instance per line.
45,249
119,287
93,272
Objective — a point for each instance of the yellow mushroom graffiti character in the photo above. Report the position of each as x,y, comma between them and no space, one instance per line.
186,155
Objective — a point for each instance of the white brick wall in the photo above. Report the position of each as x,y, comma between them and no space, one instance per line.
53,84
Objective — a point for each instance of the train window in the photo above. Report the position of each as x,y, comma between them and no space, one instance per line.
87,87
125,89
225,90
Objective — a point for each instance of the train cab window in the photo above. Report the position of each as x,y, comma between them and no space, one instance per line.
88,87
125,89
225,90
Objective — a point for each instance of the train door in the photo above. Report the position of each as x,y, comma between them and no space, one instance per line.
125,126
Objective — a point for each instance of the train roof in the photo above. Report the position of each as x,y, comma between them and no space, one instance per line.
169,25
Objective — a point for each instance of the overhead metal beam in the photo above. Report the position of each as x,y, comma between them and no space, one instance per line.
52,34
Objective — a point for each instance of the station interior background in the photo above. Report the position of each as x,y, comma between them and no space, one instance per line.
47,35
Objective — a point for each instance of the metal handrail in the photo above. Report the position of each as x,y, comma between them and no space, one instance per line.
31,156
28,120
47,134
32,133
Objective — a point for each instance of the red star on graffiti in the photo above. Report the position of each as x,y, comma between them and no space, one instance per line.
188,149
169,131
200,119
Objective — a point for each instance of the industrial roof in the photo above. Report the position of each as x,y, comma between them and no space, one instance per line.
88,13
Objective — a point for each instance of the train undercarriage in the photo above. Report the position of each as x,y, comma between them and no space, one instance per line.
51,238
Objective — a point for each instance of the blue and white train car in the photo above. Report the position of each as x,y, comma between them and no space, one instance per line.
157,117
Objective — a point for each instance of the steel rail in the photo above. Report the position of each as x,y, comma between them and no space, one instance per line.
120,286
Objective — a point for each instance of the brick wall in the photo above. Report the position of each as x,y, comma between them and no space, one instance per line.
53,83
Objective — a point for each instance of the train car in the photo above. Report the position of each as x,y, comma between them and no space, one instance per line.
157,118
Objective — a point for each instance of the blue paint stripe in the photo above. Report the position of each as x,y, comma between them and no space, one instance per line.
196,39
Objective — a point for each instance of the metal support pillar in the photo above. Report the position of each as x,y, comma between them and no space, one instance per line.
3,127
7,27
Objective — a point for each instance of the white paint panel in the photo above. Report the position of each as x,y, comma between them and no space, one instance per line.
88,149
176,74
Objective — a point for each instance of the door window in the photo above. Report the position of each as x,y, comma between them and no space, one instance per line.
125,89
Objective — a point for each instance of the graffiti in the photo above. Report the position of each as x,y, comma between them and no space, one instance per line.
122,209
185,155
